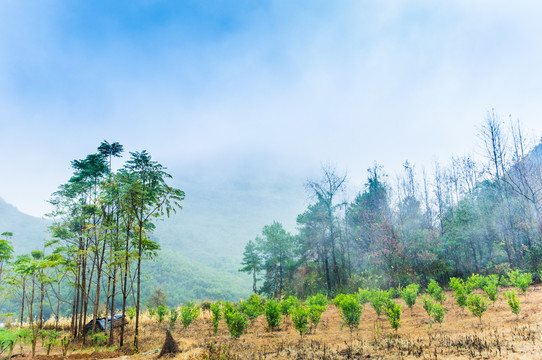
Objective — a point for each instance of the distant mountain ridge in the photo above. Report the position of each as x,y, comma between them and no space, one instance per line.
29,232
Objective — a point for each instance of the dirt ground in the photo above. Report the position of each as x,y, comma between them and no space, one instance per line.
461,336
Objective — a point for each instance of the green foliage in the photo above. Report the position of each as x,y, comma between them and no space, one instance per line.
131,312
435,291
8,339
379,299
513,301
52,339
460,292
216,314
300,318
161,312
173,316
410,294
491,287
350,311
98,339
189,313
520,280
475,281
252,307
434,309
477,304
318,299
437,312
235,321
286,305
272,314
393,313
364,295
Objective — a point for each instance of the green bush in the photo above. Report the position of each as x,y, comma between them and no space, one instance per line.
235,321
435,291
318,299
364,295
393,313
434,309
161,311
272,314
189,313
8,340
216,315
350,311
410,294
252,307
477,304
131,312
513,302
460,292
51,338
520,280
379,299
491,288
173,316
300,318
98,339
286,305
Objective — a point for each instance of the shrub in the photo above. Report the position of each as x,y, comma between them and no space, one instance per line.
98,339
252,307
272,314
315,315
437,312
435,291
491,288
173,316
189,313
475,281
364,295
393,313
131,312
379,299
235,321
51,339
8,339
460,292
477,305
350,311
216,315
161,312
513,302
318,299
300,318
286,305
434,309
410,294
521,280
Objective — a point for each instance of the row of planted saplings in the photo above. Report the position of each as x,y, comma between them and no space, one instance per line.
476,293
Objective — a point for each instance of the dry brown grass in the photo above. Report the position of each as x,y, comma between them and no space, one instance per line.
461,336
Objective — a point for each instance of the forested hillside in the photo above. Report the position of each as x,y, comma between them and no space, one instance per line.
472,214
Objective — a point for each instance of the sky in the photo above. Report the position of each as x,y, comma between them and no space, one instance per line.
262,90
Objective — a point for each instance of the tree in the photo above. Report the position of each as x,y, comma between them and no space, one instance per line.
6,251
325,191
150,197
252,262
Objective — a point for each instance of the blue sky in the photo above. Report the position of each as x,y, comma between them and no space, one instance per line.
269,89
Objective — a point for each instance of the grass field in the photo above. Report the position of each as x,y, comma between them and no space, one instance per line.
461,336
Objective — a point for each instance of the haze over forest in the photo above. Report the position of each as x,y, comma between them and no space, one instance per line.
244,102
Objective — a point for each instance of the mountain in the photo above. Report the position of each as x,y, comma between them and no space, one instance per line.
202,244
28,231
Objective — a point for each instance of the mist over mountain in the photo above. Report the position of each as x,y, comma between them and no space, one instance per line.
202,244
28,231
